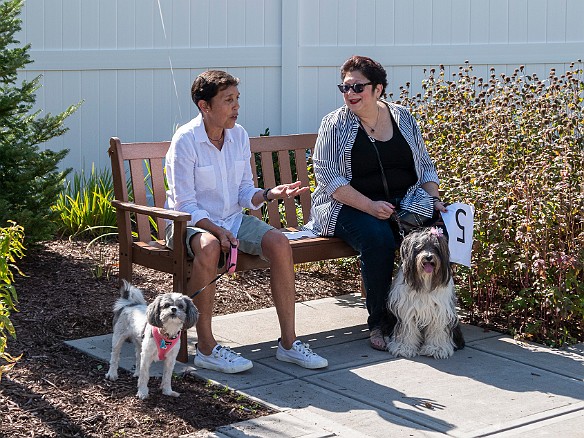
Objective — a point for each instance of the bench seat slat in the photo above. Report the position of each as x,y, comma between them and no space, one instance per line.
304,251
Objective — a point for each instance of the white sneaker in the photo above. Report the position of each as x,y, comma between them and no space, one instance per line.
300,354
222,359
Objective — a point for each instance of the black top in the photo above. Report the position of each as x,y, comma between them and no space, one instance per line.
398,163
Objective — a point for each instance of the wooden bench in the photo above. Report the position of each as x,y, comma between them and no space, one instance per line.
140,194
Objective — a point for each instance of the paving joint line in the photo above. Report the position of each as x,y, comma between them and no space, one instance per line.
522,362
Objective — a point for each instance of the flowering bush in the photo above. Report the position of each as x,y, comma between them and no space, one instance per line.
513,146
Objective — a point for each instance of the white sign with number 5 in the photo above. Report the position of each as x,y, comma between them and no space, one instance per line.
459,221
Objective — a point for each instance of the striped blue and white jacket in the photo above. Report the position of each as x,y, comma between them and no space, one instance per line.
332,166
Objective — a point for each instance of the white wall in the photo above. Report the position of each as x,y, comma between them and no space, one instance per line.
115,55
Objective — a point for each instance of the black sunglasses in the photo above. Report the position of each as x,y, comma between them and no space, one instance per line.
357,88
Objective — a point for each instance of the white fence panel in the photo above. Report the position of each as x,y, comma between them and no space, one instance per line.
499,22
518,18
384,24
441,21
420,23
574,17
117,56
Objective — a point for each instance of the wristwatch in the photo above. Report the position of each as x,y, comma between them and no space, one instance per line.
266,191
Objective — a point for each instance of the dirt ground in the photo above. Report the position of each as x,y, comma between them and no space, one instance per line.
68,293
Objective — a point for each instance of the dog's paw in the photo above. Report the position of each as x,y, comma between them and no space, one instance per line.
142,393
387,340
112,375
401,349
170,392
437,351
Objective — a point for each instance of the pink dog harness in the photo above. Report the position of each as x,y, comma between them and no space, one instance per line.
163,344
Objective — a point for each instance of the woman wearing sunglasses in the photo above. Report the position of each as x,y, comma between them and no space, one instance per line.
369,159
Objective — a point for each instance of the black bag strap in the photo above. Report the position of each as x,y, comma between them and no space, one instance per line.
383,178
394,216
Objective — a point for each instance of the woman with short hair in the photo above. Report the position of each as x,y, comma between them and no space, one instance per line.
209,176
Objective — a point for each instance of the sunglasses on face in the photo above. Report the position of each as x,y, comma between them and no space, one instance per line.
357,88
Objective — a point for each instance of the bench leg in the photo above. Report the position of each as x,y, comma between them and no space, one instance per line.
124,268
183,353
363,290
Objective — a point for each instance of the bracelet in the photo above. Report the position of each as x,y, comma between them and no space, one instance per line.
436,199
265,195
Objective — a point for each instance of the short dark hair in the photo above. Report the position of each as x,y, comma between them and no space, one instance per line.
209,83
372,70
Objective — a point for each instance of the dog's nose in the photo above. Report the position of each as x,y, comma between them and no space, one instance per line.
173,309
428,258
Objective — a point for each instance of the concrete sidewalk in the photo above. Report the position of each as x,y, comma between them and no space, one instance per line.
494,387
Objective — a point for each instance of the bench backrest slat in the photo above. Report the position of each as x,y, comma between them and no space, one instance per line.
302,175
269,180
297,148
286,175
158,190
139,191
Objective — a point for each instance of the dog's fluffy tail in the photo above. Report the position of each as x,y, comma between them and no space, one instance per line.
457,337
129,295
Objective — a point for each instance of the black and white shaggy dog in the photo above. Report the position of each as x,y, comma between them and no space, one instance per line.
154,330
423,299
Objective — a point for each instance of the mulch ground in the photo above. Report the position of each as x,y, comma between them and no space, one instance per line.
68,293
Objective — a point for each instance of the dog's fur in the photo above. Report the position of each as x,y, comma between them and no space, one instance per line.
134,320
423,299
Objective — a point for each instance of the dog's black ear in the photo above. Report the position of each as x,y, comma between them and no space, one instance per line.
446,267
192,313
408,263
153,312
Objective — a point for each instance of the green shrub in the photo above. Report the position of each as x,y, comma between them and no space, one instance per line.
513,146
29,177
11,248
84,205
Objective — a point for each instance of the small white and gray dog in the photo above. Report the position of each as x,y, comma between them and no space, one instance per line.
154,330
423,299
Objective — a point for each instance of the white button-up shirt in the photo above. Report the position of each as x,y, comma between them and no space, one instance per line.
207,182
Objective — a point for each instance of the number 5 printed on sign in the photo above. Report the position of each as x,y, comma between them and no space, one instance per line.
459,221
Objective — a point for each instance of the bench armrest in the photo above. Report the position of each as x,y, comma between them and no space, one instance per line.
152,211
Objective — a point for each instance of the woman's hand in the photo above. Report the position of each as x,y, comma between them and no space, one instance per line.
287,190
381,209
223,235
226,239
432,189
439,205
